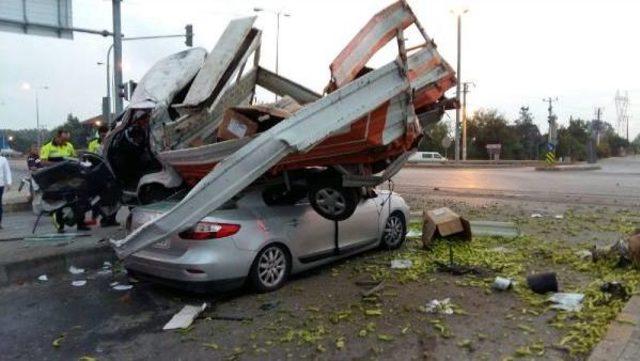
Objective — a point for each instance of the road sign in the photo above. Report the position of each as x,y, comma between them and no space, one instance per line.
37,17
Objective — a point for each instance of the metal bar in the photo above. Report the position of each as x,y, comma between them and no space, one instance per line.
299,133
27,24
283,86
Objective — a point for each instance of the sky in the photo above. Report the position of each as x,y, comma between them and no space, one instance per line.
516,52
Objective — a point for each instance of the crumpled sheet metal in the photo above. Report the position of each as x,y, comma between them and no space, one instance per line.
299,133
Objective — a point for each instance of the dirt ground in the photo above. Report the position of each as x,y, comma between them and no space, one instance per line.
323,314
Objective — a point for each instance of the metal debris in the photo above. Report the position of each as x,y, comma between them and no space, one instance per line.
185,317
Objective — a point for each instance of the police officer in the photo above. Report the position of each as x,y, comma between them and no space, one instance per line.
56,151
95,146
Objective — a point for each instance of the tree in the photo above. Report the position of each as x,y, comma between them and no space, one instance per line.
434,133
490,127
528,134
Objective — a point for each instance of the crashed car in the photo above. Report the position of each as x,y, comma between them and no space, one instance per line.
203,133
247,241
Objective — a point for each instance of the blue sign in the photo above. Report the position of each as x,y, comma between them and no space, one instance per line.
550,147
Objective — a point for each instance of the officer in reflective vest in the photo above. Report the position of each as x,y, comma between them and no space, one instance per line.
95,146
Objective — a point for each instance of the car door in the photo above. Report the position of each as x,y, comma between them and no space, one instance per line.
311,237
362,228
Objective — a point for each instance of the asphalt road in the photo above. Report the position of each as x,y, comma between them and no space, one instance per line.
617,183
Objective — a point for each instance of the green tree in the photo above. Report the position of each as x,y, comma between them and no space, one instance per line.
528,135
432,142
490,127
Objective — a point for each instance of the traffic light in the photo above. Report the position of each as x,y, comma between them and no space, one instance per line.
122,91
188,35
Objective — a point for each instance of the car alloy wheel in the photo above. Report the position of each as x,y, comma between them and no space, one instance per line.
394,231
271,268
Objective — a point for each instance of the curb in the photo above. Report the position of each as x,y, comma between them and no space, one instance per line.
618,343
568,168
30,269
478,165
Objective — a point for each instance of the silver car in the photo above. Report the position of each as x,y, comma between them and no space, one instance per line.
248,241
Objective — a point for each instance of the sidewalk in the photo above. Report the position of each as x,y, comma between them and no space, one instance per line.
22,260
622,342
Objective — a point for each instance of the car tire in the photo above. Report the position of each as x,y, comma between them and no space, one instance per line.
332,201
270,269
394,232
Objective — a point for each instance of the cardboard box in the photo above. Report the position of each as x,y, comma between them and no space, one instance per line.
235,126
443,222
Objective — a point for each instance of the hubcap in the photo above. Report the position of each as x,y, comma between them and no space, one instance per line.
331,201
393,231
272,266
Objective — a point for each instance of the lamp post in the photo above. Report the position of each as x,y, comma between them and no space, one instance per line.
277,13
26,87
458,12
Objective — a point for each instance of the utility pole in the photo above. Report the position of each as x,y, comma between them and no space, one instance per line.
117,56
552,140
465,90
622,108
459,77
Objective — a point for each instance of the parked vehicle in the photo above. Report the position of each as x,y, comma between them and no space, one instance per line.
249,241
420,157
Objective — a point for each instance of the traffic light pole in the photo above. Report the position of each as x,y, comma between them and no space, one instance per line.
117,55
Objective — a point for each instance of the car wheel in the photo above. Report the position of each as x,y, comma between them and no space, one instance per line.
333,202
395,229
270,268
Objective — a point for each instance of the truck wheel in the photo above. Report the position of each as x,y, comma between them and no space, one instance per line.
332,201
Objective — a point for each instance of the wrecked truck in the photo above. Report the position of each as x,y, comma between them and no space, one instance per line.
204,132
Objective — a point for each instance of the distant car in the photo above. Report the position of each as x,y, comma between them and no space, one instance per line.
419,157
248,241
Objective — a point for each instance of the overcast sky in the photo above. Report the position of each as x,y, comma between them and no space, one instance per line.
517,52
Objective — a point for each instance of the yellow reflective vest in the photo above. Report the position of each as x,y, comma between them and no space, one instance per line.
51,151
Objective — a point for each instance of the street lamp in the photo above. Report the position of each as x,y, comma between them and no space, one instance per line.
458,12
277,13
26,87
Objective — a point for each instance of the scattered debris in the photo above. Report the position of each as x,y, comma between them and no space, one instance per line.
373,290
267,306
75,271
559,216
502,284
543,282
414,233
615,289
443,222
585,255
401,263
113,284
43,278
119,287
536,215
494,229
58,341
439,306
185,317
570,302
79,283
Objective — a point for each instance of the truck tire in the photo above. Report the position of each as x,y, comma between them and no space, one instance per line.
333,201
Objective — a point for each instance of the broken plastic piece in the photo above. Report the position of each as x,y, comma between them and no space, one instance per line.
79,283
122,287
75,271
571,302
185,317
43,278
440,306
401,263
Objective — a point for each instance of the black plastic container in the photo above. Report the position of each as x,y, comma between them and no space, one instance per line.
543,282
